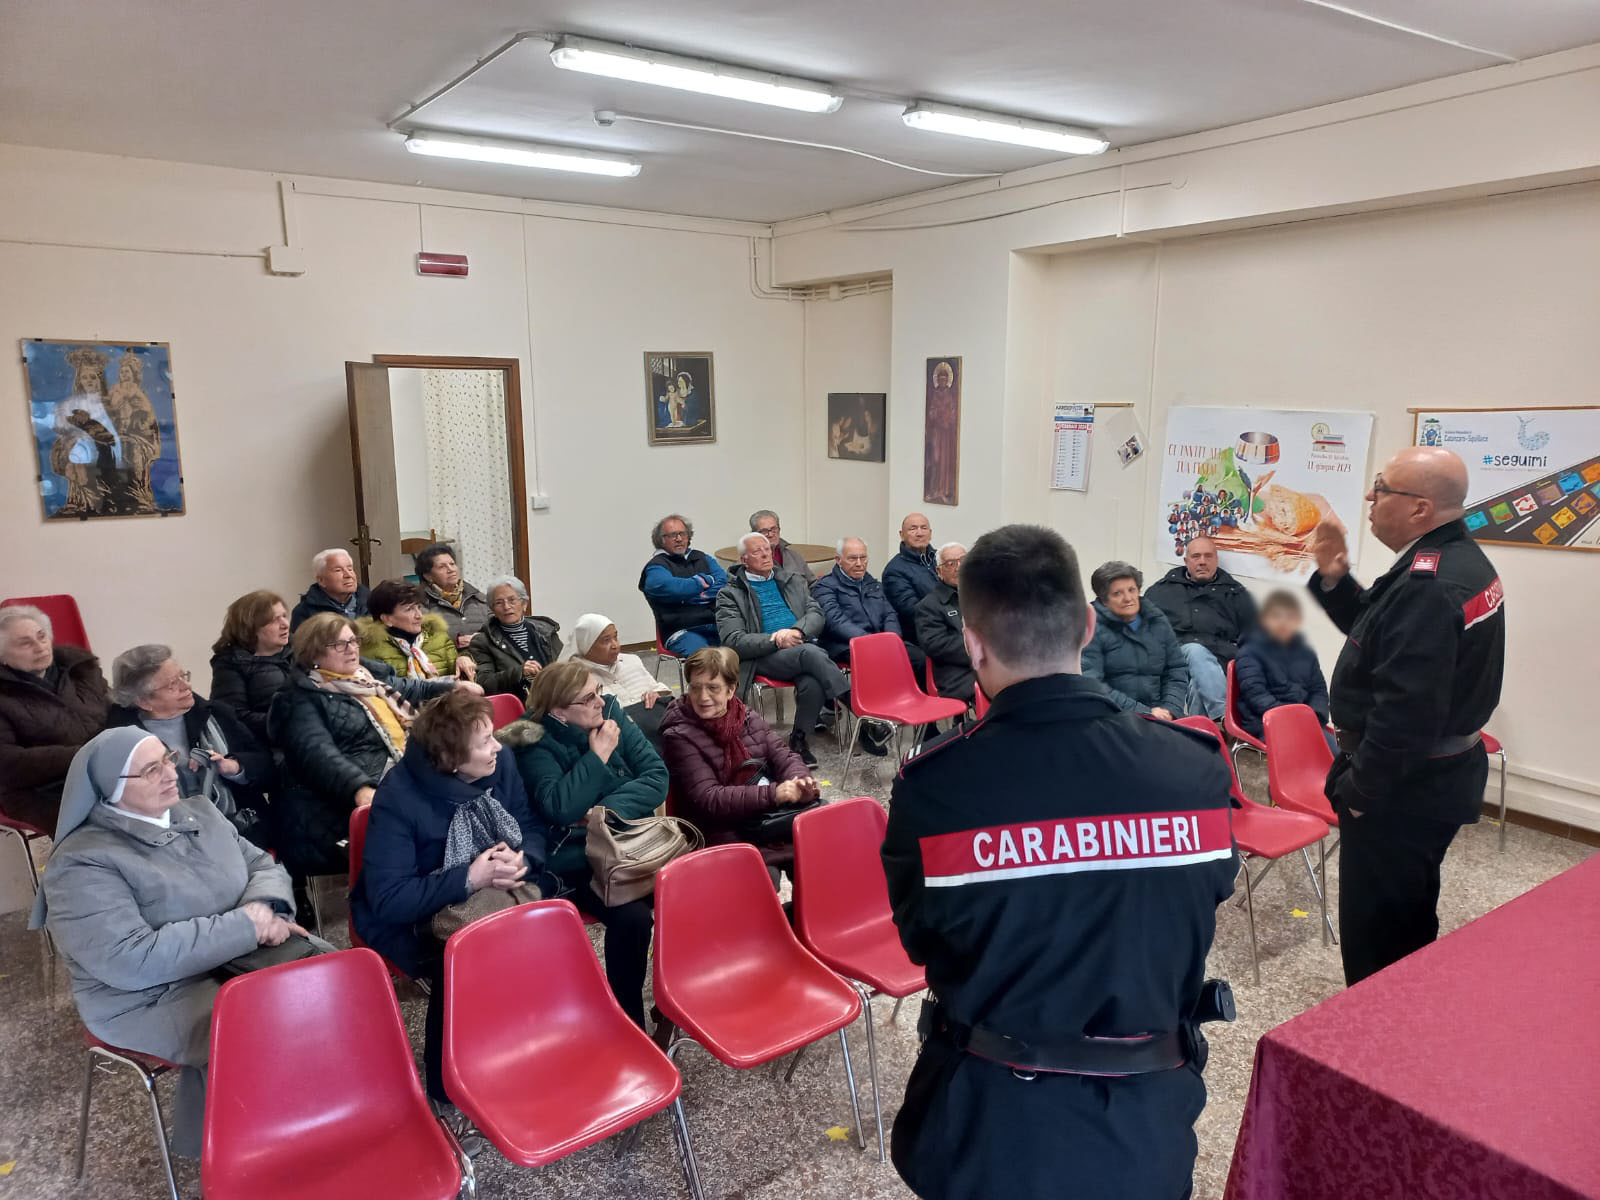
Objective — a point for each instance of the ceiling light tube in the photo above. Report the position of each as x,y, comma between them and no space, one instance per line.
692,75
997,127
518,154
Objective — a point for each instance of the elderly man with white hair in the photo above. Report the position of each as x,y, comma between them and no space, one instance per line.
855,605
338,589
939,627
770,619
52,701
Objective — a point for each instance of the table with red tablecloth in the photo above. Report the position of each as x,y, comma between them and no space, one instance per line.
1470,1069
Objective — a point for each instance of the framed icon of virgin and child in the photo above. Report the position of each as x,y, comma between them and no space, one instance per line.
680,406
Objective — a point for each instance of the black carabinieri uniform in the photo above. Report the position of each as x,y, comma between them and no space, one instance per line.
1416,682
1056,867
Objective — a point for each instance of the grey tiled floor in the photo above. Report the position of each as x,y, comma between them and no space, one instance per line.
756,1137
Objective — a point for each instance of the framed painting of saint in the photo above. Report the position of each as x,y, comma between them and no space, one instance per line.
855,425
105,428
941,446
680,407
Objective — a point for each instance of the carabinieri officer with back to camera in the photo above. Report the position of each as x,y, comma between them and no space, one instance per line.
1056,867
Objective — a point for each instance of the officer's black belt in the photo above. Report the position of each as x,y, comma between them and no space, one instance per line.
1442,748
1061,1056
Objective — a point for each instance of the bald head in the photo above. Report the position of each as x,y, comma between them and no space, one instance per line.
1419,489
916,531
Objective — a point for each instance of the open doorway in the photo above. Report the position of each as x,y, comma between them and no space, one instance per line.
437,448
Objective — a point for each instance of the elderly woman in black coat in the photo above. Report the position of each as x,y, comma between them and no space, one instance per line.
1134,653
250,659
341,726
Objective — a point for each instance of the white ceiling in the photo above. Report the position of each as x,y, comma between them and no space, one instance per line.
306,86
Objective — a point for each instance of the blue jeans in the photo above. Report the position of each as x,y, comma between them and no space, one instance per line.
697,637
1208,686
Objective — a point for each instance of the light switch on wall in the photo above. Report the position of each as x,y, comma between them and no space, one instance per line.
539,502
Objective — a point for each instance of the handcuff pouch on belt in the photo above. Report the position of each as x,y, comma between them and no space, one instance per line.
1099,1056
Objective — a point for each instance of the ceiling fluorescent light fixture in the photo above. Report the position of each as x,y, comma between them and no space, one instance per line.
997,127
692,75
518,154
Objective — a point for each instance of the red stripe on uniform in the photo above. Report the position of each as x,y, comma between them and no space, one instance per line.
1127,841
1485,604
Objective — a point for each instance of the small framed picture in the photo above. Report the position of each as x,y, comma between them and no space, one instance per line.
856,426
1130,450
680,404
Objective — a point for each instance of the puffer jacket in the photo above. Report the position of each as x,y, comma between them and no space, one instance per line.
500,662
853,608
42,727
437,644
1141,668
566,779
247,682
1218,613
465,618
1270,673
739,618
697,765
331,748
907,578
254,759
402,878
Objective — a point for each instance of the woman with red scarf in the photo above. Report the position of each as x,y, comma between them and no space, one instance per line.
726,763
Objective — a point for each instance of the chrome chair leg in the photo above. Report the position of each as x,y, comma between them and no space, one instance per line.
1502,804
1322,895
83,1117
148,1079
469,1177
850,754
895,1015
872,1066
850,1080
680,1128
794,1063
1250,908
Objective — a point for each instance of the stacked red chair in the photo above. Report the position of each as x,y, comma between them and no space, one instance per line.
730,974
313,1091
883,687
841,911
1298,762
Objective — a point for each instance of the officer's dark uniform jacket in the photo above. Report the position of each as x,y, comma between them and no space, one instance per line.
1419,676
999,856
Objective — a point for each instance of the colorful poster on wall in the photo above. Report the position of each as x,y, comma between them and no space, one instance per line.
105,428
1256,481
941,446
1533,474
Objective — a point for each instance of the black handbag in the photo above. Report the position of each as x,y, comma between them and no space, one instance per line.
775,826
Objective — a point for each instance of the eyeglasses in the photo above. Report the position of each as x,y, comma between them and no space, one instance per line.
1380,488
344,643
180,680
674,533
169,759
590,698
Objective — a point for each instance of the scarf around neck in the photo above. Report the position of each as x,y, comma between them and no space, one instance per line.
418,664
728,732
390,713
454,597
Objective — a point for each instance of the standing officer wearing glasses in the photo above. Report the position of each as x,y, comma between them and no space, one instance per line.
1056,867
1415,684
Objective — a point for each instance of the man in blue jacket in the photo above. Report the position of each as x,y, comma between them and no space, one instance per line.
854,604
910,575
681,585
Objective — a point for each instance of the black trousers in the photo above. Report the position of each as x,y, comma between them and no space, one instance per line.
629,928
816,680
1388,887
433,1029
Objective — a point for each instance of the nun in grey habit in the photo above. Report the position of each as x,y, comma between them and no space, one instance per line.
147,893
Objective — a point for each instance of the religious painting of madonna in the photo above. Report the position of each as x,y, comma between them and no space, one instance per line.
104,428
679,404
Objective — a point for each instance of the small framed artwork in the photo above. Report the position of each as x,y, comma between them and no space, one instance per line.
105,428
941,446
680,405
856,426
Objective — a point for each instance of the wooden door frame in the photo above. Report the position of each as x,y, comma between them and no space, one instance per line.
514,446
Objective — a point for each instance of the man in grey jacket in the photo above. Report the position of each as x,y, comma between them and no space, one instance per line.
771,621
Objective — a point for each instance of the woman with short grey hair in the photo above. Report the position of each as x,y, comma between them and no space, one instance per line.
1134,653
217,757
512,647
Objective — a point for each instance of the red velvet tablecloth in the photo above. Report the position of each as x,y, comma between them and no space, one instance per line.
1470,1069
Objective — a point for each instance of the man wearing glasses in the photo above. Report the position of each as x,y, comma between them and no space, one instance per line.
681,585
1415,684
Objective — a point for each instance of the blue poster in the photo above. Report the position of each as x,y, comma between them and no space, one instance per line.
105,429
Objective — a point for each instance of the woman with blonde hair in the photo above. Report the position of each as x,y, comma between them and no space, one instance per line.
250,661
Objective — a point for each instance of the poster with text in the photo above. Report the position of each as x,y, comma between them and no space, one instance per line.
1256,481
1533,474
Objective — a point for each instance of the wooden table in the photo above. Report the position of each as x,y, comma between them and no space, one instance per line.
813,554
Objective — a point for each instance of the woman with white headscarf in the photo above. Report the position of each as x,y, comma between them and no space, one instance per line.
640,694
147,894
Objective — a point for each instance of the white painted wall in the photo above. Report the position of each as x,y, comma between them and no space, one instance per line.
410,447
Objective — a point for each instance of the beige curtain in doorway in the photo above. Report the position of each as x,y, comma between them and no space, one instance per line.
469,484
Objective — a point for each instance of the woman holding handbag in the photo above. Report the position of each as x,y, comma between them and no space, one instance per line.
449,821
577,749
732,772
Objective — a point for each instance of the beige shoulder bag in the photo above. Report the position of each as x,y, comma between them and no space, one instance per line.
625,855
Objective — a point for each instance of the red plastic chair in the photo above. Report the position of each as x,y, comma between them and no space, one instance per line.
313,1092
1298,761
980,703
841,911
357,847
1492,745
66,623
760,685
26,832
1268,833
506,709
1241,736
665,655
149,1068
563,1067
883,687
730,974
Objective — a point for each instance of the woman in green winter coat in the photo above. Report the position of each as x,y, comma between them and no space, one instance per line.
416,645
576,749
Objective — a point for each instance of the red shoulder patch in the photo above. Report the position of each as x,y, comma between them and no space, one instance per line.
1426,562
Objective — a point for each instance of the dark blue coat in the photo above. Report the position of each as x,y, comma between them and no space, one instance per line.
401,884
907,578
854,608
1142,668
1269,673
